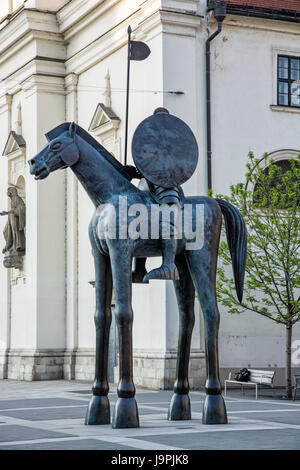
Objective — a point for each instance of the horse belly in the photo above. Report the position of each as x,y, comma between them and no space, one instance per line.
152,248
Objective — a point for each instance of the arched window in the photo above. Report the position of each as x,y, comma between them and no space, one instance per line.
275,179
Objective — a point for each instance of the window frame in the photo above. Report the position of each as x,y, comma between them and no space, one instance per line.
288,80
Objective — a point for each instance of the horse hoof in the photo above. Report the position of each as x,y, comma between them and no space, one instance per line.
125,414
180,408
98,411
214,410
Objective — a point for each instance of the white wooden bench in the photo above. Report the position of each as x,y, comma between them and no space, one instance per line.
257,377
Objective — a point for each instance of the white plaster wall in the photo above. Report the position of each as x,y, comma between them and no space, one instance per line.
243,80
242,92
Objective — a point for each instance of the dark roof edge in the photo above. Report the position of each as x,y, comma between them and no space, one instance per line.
260,12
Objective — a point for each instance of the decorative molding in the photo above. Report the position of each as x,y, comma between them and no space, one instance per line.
285,154
27,21
19,120
96,51
71,83
71,88
104,120
277,26
144,27
76,15
284,109
187,6
105,124
181,24
15,145
5,102
107,92
276,155
18,80
44,84
5,108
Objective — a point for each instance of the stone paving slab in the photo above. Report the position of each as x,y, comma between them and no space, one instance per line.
250,440
36,403
50,415
277,416
86,444
21,433
47,414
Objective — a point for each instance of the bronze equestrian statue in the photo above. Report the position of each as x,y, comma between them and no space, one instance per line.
107,183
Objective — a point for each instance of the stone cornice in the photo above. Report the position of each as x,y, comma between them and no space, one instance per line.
262,24
44,84
77,15
26,21
180,23
143,26
26,33
37,66
5,102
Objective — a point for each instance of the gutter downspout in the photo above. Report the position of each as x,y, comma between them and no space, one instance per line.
208,105
220,8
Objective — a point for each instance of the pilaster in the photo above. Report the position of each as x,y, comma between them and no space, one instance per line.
71,241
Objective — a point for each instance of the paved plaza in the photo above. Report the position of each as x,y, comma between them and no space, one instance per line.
50,415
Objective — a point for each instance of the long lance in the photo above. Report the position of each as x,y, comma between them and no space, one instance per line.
129,31
137,50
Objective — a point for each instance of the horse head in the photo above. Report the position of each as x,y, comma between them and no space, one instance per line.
59,153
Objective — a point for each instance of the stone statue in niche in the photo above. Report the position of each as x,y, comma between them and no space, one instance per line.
14,234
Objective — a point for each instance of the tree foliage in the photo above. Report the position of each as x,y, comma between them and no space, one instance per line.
269,202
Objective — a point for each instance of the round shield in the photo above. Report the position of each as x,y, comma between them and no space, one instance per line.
165,150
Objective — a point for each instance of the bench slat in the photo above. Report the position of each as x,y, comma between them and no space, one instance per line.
261,376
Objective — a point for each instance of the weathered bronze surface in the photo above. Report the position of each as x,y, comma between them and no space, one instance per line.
105,180
14,235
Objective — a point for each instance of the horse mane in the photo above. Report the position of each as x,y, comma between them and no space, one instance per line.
90,140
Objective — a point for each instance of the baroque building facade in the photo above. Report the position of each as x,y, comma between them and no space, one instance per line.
66,61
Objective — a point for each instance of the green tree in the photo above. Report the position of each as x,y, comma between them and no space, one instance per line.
269,201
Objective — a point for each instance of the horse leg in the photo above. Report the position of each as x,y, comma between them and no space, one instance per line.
99,409
202,266
180,408
125,412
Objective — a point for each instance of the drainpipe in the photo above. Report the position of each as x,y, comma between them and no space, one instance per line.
220,8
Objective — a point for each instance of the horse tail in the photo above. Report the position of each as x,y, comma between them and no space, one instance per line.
237,241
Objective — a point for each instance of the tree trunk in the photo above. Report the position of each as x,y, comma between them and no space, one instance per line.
288,363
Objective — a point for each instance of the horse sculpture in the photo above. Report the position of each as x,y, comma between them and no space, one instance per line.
105,181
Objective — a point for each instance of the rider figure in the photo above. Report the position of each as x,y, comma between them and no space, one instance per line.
168,230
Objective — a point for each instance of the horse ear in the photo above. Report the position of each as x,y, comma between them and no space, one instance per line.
70,154
72,130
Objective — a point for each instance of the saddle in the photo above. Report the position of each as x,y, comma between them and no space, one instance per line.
161,195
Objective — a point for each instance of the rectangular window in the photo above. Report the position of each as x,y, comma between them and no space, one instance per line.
288,77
